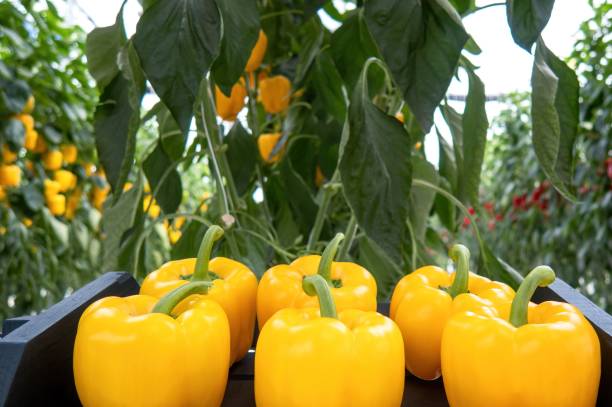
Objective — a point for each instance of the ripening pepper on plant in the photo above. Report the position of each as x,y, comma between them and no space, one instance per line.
57,204
257,53
275,93
233,287
10,175
229,107
423,301
134,351
8,156
352,286
266,144
52,160
70,153
540,355
66,180
306,357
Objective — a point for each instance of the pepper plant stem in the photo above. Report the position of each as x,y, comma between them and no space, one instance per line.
167,303
316,285
328,192
351,230
327,257
200,272
540,276
461,256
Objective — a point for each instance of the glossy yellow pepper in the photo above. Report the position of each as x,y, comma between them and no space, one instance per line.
257,53
309,358
542,355
229,107
352,286
132,352
266,144
10,175
275,93
423,301
66,180
234,287
52,160
70,153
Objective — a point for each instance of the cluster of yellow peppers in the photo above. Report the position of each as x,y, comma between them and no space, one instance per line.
322,342
60,185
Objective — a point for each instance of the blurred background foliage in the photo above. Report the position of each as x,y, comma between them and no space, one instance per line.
46,253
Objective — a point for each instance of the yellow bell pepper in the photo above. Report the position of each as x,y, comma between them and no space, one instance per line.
257,53
29,106
51,188
131,352
229,107
52,160
57,204
275,93
234,287
309,358
542,355
8,156
10,175
98,196
423,301
66,179
30,140
352,286
27,121
70,153
266,144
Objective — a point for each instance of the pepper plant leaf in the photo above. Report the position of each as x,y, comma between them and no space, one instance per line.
177,41
527,19
421,42
554,112
376,171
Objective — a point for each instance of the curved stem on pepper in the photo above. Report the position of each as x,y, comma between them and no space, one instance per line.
461,256
167,303
200,272
328,257
316,285
540,276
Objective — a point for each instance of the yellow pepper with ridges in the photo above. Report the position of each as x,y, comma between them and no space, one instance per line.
307,357
275,93
132,352
423,301
352,286
234,287
266,144
229,107
541,355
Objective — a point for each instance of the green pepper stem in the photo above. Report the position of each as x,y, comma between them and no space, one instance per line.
316,285
461,256
200,273
540,276
167,303
328,257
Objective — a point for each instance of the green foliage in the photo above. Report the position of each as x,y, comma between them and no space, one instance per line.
44,257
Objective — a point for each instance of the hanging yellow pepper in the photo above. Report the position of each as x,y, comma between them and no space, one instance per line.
275,93
351,285
52,160
229,107
66,180
541,355
10,175
133,351
309,358
266,144
70,153
423,301
234,287
258,52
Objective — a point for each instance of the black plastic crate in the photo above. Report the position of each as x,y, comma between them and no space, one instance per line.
36,352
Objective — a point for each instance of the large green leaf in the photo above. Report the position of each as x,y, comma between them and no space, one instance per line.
117,220
554,111
328,85
422,199
375,171
475,125
298,195
164,179
421,42
455,161
312,41
242,156
14,94
527,19
351,46
171,137
117,118
386,272
240,33
102,47
177,41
